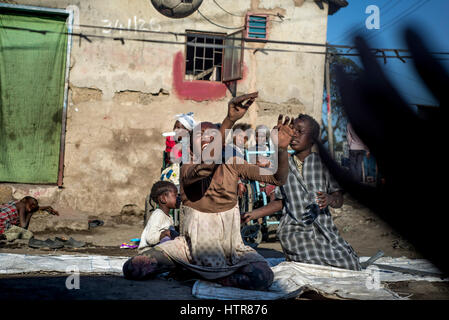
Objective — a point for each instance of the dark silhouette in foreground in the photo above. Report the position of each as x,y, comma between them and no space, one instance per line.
409,150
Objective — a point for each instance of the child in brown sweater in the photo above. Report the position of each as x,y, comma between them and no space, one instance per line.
210,243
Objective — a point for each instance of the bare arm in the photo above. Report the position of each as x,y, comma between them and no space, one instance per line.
28,218
50,210
282,172
23,218
285,134
269,209
254,172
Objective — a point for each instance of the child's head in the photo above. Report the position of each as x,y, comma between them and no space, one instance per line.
184,121
306,132
165,193
240,136
31,204
203,134
178,126
139,267
262,134
184,124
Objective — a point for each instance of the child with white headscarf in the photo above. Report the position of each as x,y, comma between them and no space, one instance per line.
173,150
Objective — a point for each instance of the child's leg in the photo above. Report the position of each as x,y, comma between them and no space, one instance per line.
147,264
254,276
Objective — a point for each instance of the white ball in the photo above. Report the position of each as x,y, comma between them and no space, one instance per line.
176,8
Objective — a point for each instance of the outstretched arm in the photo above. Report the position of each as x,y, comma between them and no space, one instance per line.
50,210
269,209
285,134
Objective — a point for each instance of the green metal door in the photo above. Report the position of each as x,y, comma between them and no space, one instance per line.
32,78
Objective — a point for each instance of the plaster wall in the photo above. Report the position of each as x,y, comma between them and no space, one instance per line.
123,96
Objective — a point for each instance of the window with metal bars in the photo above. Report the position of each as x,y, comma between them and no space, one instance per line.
204,56
256,27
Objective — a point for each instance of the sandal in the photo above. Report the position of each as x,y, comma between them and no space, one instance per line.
47,244
71,243
95,223
54,244
36,243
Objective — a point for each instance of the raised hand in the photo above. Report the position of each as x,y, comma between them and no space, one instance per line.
284,131
238,106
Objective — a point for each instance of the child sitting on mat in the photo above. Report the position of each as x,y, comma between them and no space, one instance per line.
159,227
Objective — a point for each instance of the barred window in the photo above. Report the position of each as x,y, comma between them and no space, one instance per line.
204,56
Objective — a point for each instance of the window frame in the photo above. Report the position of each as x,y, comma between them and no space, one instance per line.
189,33
242,55
247,33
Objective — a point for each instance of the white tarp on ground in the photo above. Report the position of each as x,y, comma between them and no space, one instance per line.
291,278
20,263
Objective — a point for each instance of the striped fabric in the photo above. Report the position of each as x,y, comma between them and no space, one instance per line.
318,243
9,216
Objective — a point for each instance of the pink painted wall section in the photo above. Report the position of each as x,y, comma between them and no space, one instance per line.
194,90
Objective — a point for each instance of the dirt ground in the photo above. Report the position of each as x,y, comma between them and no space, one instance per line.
360,227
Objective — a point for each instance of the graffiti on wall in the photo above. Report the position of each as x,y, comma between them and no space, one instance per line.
134,23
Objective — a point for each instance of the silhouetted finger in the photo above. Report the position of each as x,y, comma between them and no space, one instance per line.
431,71
358,115
287,119
377,82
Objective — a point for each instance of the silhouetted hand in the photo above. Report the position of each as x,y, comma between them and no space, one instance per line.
408,148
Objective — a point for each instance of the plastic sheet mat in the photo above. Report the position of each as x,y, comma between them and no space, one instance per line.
291,278
21,263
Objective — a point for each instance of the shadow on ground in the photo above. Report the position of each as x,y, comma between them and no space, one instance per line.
91,288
